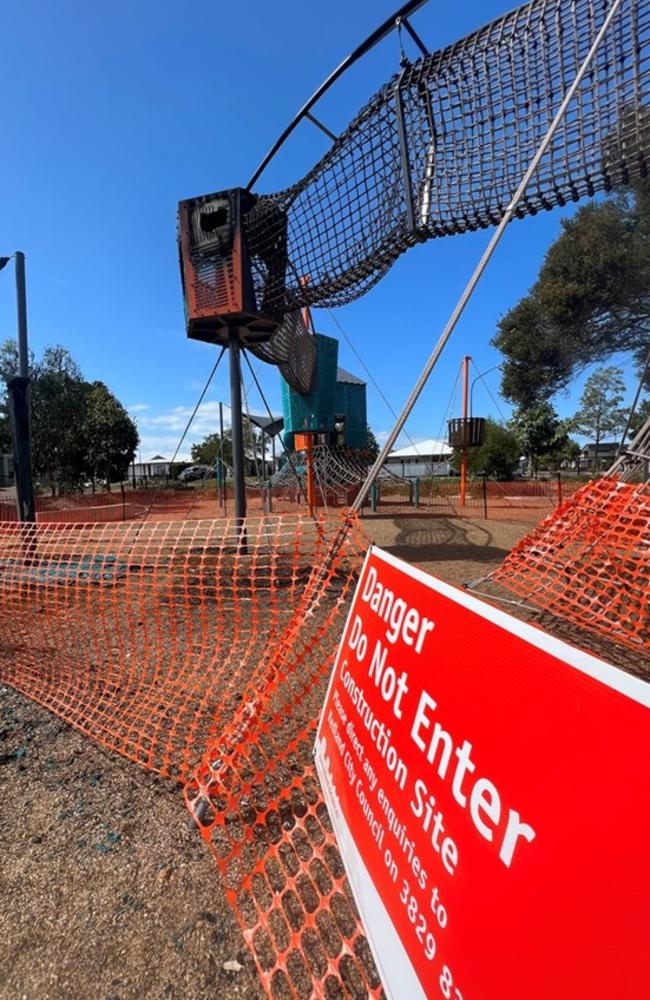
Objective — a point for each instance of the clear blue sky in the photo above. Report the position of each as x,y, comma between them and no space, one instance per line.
111,113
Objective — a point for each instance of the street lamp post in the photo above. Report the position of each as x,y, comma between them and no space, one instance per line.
480,375
19,402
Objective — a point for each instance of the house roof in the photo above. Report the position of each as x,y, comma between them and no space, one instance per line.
423,449
603,446
344,376
270,425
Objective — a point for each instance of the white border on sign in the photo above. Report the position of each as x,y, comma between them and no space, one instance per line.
389,953
391,958
613,677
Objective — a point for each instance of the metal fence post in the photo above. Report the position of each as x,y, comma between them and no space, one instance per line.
485,505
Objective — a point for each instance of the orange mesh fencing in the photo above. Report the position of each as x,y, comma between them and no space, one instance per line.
589,562
519,500
203,655
157,504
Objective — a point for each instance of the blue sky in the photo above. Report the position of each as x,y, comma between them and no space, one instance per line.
111,113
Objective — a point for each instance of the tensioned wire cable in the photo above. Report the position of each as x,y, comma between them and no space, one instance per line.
368,373
481,377
268,410
194,412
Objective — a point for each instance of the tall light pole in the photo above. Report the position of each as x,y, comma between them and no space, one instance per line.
478,377
19,401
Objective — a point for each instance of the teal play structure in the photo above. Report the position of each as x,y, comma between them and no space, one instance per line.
334,409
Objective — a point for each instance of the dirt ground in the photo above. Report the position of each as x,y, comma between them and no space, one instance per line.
105,892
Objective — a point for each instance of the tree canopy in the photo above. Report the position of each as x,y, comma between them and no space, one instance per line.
543,437
600,410
79,429
591,299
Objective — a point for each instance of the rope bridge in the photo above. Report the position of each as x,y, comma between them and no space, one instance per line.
441,148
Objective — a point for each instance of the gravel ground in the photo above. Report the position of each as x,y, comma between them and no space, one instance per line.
105,892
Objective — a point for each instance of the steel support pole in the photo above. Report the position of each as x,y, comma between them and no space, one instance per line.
22,452
484,261
21,310
20,405
221,478
237,428
463,453
311,486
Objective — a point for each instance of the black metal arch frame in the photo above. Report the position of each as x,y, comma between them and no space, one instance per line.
392,23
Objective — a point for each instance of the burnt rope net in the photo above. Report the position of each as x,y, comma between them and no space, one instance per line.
441,148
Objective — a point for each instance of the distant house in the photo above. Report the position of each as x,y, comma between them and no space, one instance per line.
426,458
607,454
155,468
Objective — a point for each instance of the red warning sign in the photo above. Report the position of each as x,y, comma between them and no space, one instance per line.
487,784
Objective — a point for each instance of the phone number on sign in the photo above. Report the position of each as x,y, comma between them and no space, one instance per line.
446,980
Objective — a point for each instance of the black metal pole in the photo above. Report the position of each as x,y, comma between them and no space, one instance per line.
19,403
222,468
485,507
21,439
376,36
237,427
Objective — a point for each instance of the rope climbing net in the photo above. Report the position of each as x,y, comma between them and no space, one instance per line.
441,148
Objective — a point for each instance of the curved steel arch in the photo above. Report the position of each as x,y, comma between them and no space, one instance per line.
440,148
390,24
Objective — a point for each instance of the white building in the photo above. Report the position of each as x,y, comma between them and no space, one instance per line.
157,467
427,458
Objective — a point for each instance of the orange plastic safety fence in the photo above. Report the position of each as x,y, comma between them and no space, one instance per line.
258,802
589,562
520,500
203,654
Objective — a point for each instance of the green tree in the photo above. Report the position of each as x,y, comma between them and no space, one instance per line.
600,410
541,434
372,448
497,457
208,450
639,417
591,299
78,428
8,368
110,436
57,403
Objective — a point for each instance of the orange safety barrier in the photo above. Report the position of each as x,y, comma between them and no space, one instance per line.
204,654
154,504
519,500
589,562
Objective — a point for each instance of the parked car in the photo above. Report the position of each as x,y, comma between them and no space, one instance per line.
195,472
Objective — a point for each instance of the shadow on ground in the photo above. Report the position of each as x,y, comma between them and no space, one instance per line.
456,548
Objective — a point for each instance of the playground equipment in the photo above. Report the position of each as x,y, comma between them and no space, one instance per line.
449,138
220,653
465,432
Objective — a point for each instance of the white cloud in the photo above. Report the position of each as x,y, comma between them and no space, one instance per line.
160,432
138,407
